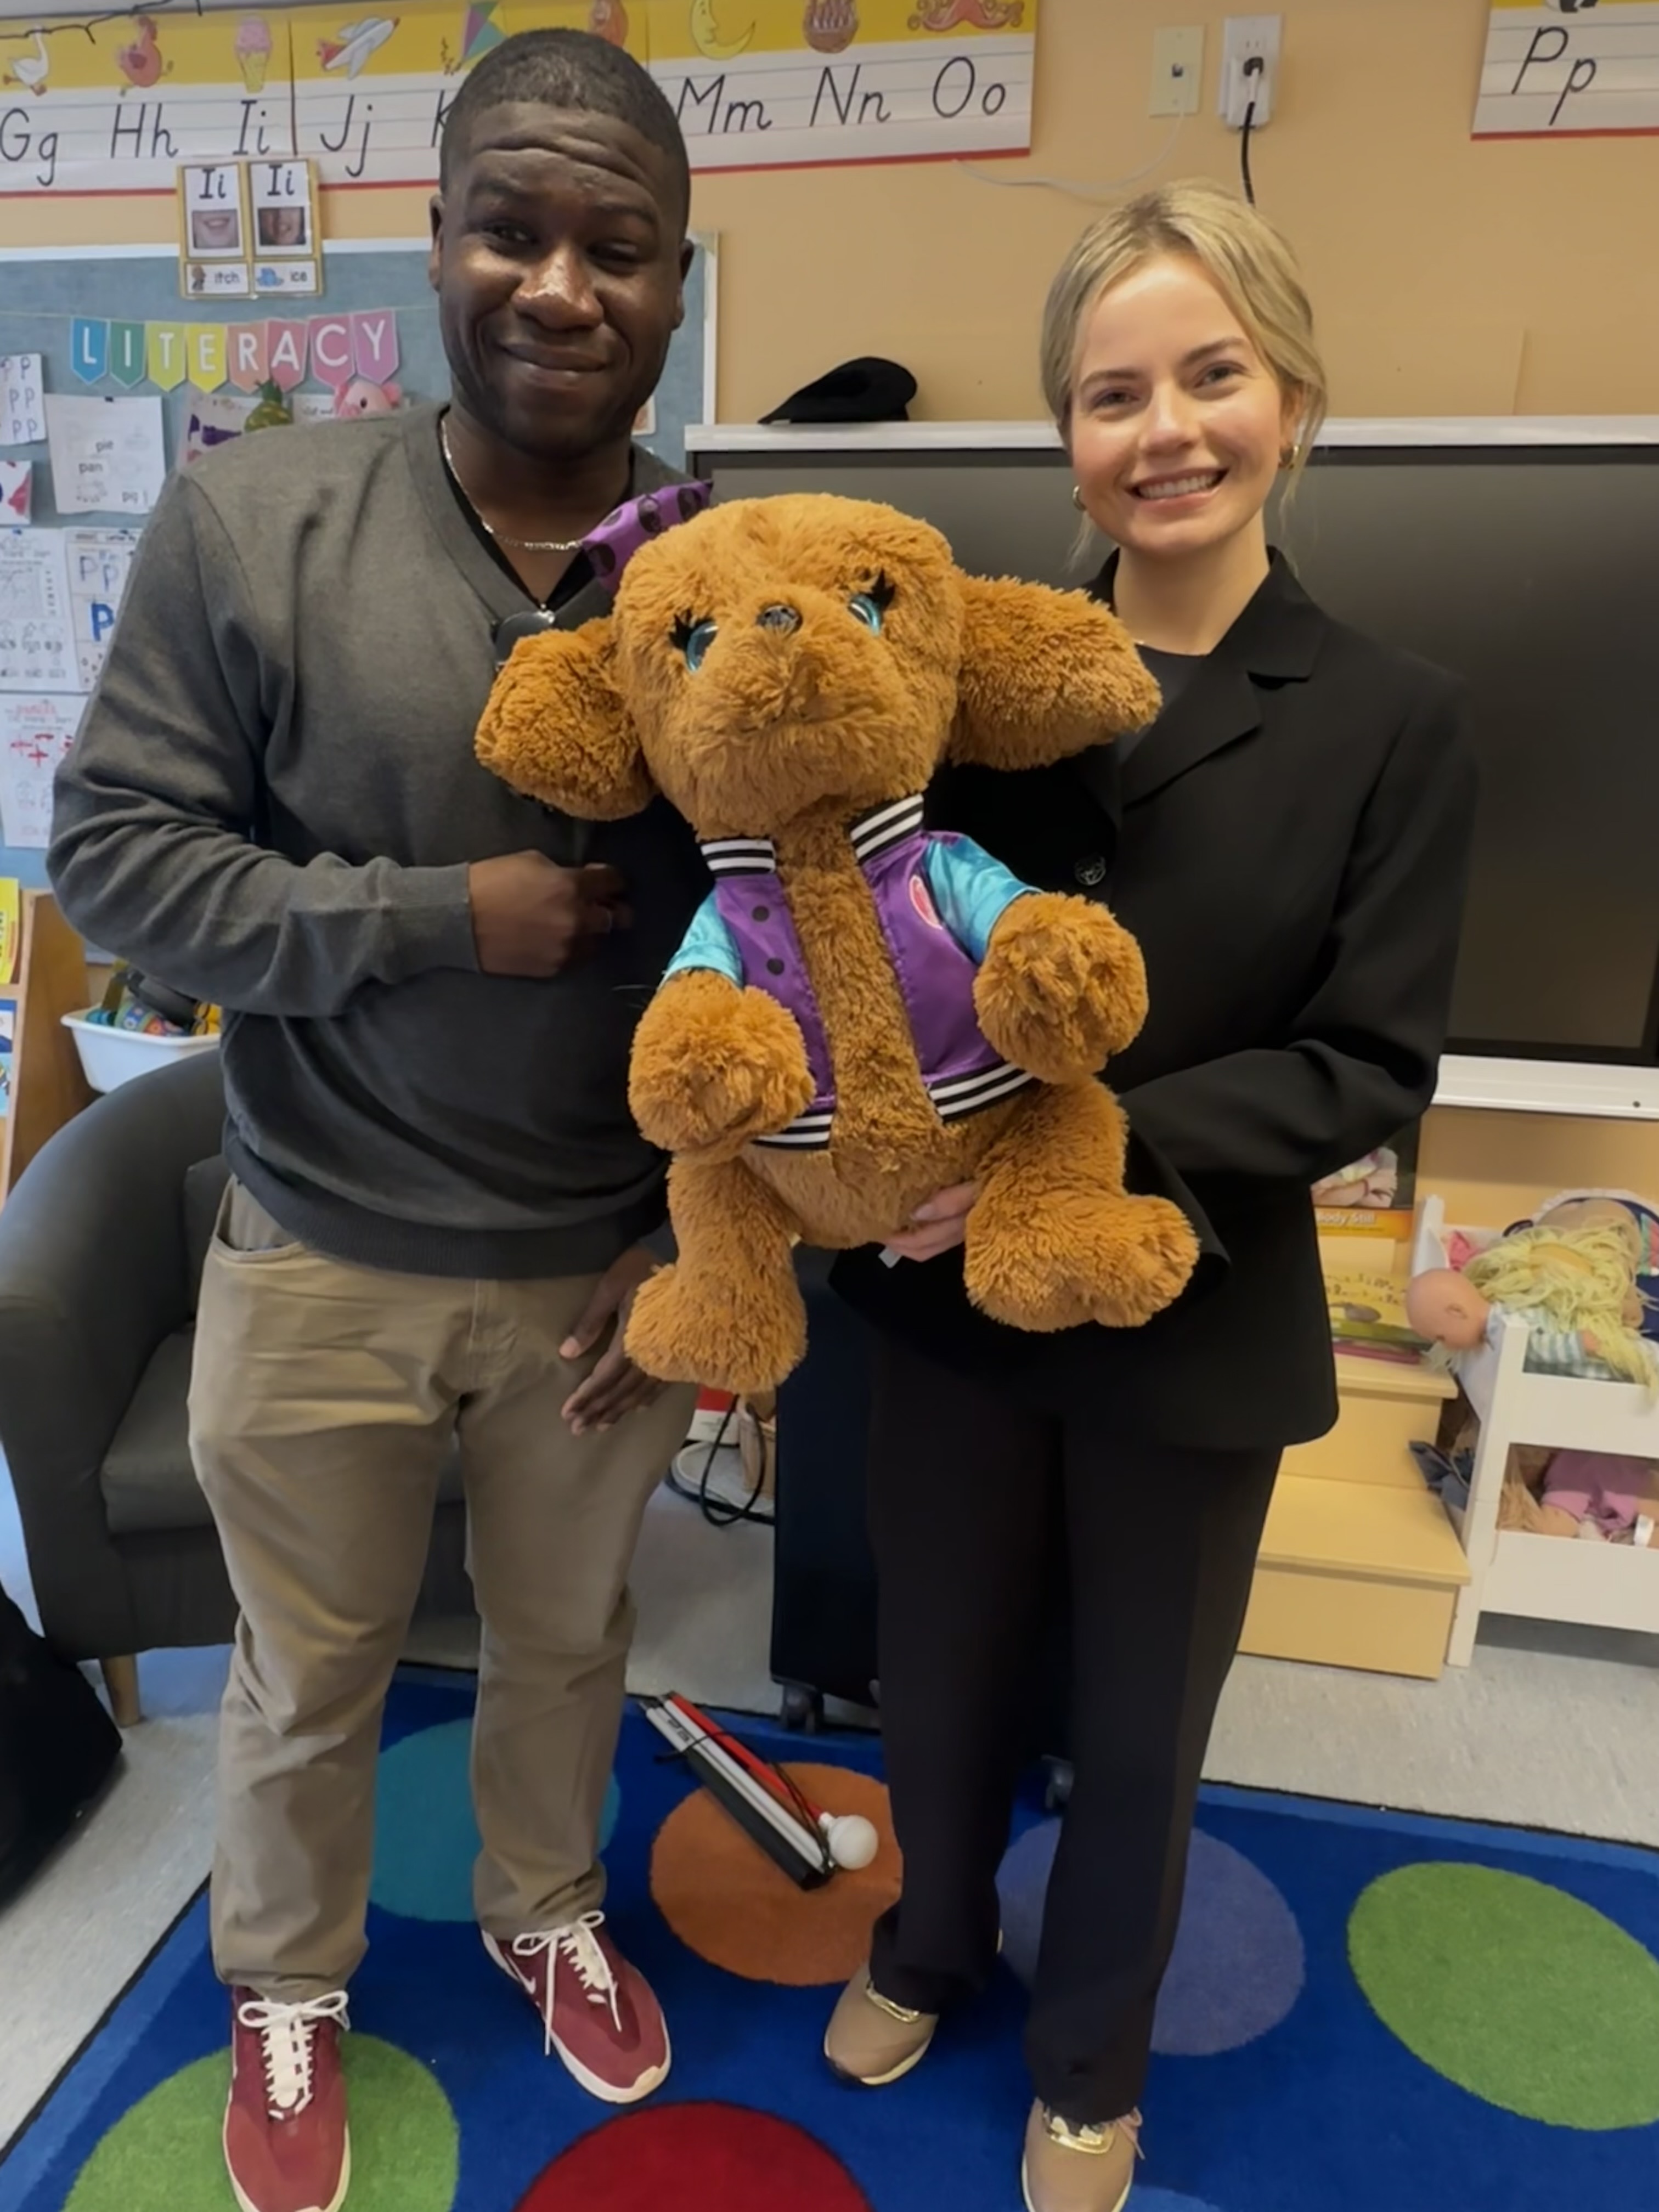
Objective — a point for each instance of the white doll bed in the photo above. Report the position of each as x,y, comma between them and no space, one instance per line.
1541,1577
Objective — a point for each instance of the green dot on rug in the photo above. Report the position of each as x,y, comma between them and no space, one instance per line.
1523,1995
163,2155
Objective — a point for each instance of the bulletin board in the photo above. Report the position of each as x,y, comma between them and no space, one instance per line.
42,295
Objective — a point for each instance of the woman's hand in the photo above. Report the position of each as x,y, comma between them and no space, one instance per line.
935,1227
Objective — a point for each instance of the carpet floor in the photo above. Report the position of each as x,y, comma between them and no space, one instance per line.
1365,2010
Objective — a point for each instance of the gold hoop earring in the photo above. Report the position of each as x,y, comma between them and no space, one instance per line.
1290,455
1077,497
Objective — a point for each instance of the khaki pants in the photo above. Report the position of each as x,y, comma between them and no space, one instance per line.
324,1403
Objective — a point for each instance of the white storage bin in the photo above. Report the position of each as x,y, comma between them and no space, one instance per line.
110,1057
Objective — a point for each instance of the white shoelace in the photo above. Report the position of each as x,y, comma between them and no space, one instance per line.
287,2037
575,1944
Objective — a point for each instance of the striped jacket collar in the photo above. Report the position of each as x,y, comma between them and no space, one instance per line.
878,831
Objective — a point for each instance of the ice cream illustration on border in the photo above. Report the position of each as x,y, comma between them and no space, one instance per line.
254,51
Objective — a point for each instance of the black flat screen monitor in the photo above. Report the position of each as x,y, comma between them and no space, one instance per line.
1532,569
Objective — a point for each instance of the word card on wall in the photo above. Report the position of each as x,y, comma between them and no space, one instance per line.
1567,69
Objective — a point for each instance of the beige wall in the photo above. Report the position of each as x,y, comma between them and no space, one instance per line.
1450,276
1492,1168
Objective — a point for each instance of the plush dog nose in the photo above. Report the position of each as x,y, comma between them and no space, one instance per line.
778,617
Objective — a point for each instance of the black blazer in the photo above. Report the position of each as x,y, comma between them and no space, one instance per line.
1289,843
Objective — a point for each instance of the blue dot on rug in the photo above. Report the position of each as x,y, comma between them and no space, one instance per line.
425,1836
1238,1965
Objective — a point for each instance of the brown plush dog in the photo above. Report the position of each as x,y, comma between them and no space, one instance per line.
862,1014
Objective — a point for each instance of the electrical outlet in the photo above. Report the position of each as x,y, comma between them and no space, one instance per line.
1178,71
1247,39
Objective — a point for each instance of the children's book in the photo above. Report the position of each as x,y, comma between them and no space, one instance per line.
11,930
7,1038
1368,1316
1373,1196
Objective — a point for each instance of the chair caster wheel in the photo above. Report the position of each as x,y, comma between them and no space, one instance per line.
802,1710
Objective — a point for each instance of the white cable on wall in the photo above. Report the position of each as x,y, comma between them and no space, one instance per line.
1093,193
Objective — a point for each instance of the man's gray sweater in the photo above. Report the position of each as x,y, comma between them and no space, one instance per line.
272,804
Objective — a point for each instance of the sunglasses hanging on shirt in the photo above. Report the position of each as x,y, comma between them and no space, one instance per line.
513,629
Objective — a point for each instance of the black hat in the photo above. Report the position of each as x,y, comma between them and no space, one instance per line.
867,391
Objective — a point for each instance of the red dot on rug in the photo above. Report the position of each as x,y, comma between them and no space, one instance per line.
696,2154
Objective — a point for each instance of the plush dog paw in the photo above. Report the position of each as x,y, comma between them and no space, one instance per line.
1116,1261
743,1335
1062,987
714,1066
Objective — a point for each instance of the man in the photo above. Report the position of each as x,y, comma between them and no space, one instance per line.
433,1231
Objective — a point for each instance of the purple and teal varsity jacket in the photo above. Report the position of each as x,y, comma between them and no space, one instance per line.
938,896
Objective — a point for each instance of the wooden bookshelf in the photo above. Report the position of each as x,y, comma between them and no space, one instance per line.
47,1086
1360,1565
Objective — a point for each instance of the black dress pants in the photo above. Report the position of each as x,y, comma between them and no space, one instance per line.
972,1494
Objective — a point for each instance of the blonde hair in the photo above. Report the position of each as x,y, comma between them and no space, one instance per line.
1573,1279
1248,261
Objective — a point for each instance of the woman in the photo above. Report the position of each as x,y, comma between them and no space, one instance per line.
1288,843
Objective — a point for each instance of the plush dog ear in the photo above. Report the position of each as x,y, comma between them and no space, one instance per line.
1044,674
556,726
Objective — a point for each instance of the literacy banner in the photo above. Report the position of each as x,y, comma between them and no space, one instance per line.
354,353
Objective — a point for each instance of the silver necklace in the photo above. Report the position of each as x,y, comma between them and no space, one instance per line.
519,544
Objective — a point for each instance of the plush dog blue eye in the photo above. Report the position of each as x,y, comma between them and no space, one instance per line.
697,642
867,610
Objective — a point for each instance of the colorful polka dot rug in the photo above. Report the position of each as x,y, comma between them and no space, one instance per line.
1366,2012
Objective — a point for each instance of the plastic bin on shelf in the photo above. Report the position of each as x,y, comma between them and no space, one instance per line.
110,1057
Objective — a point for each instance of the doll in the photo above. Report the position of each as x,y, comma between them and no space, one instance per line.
1573,1283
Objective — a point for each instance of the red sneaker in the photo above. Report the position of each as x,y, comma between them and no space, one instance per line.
286,2144
598,2011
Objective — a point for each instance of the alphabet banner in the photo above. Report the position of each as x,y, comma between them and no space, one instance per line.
1569,69
118,103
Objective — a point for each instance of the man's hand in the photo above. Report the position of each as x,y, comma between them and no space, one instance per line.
532,917
616,1386
936,1226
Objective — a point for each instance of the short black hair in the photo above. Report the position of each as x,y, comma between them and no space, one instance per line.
572,70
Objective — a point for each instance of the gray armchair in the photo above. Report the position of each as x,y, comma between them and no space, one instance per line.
102,1242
